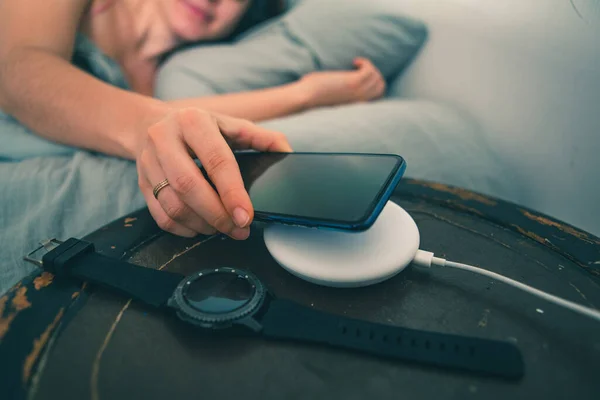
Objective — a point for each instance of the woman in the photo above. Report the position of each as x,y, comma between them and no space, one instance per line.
44,91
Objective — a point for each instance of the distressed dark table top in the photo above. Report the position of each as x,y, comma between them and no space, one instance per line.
59,339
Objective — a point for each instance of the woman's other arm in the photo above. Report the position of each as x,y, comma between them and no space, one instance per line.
318,89
40,87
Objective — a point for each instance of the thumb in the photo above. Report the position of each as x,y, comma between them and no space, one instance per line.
245,134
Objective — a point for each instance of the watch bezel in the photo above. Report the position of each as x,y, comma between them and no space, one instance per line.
217,321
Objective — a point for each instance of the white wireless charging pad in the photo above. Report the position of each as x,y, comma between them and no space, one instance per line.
347,259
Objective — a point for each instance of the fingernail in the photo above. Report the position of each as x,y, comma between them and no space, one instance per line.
240,233
241,217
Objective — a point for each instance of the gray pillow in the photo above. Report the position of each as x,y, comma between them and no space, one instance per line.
313,35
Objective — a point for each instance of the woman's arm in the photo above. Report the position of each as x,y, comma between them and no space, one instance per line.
40,87
256,105
318,89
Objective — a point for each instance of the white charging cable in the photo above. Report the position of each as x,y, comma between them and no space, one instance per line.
427,259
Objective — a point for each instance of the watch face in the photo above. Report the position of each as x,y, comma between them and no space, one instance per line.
219,293
218,297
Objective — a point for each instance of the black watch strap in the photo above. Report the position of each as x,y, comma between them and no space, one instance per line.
288,320
78,259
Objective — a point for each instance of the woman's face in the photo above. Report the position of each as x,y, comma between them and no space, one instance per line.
202,20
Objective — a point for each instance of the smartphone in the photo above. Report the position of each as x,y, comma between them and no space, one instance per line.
342,191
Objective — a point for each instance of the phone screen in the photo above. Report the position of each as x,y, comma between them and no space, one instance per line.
341,188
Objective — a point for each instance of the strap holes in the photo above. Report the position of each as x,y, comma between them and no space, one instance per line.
442,346
371,335
456,348
344,330
413,343
427,344
471,350
384,338
357,332
399,340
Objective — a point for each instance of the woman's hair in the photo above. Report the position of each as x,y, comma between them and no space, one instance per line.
258,12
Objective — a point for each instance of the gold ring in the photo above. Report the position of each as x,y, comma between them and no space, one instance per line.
161,185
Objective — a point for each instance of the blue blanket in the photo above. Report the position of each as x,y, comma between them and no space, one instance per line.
51,190
59,196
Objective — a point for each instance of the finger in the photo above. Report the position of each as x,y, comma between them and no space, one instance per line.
245,134
219,162
364,64
200,132
375,89
170,203
381,88
372,79
375,74
159,215
164,221
273,141
364,80
360,62
368,73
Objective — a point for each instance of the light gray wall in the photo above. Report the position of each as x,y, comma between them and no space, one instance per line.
529,71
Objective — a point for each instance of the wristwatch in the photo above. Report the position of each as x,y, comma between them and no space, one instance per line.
223,298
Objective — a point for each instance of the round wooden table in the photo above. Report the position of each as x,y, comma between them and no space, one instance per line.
61,339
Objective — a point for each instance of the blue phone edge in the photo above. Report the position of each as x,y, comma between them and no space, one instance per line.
364,224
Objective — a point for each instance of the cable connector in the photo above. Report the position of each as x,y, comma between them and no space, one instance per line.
426,259
423,258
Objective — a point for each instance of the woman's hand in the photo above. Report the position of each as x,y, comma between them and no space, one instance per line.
189,205
328,88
